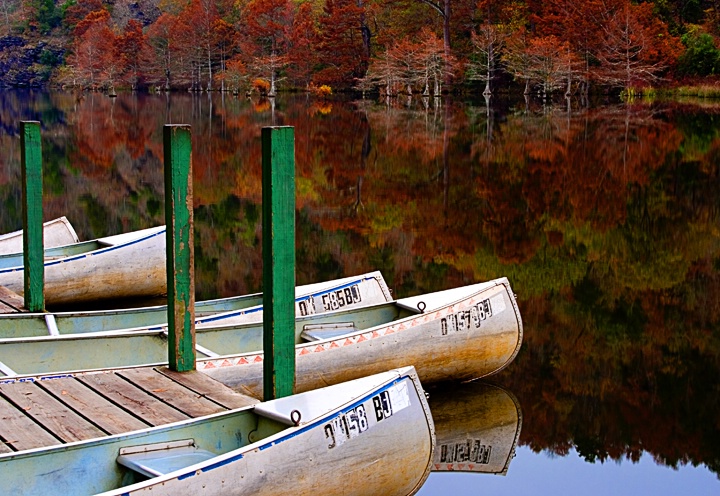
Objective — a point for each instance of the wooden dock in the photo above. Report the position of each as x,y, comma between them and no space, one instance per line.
61,410
11,302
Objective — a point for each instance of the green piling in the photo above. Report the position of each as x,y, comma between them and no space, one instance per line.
278,245
33,256
180,247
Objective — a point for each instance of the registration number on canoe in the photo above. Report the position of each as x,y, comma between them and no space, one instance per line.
346,426
333,300
471,318
355,421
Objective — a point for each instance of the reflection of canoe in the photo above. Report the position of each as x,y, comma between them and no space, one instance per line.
463,333
313,298
326,441
121,266
56,232
477,426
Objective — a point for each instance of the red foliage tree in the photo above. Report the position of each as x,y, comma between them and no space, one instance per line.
341,50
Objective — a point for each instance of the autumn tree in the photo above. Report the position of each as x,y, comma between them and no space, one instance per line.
161,50
235,75
341,51
442,7
77,11
224,39
301,53
516,57
548,60
267,24
200,21
487,43
95,59
437,66
408,67
131,44
633,52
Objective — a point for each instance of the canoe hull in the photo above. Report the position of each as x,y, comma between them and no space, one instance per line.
132,267
455,342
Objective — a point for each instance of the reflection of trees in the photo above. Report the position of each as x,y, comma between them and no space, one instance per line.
605,221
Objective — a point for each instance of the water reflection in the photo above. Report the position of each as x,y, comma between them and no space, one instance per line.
477,426
605,220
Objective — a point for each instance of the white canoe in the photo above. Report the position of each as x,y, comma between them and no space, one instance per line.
56,232
369,436
129,265
348,292
459,334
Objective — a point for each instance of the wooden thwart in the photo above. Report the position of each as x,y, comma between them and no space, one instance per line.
60,410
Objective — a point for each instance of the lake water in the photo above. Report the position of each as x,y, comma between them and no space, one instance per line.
605,220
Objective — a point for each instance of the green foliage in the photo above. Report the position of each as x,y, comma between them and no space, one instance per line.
47,17
701,57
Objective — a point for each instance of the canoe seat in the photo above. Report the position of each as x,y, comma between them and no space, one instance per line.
152,460
316,332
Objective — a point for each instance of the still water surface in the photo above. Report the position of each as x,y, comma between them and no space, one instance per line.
604,219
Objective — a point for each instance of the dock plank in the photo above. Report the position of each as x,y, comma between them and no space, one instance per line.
132,399
210,388
19,431
11,302
171,392
49,412
102,412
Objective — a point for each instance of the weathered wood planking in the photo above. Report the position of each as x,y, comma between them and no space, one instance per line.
18,431
209,388
105,414
120,391
164,388
11,302
41,413
49,412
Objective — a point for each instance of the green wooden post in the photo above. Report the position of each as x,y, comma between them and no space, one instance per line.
278,198
33,256
180,247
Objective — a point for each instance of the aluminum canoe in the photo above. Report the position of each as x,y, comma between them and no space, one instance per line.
314,298
129,265
373,435
56,232
459,334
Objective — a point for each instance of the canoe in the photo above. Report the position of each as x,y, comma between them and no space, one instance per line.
129,265
458,334
321,297
477,427
369,436
56,232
